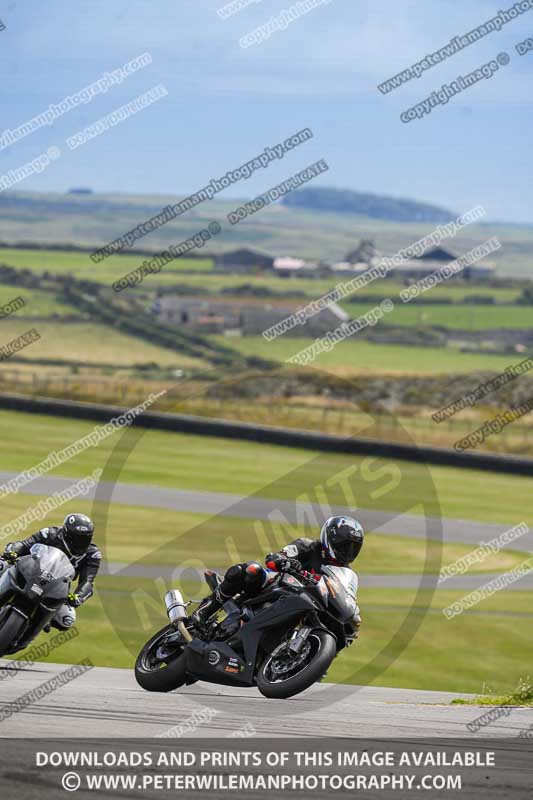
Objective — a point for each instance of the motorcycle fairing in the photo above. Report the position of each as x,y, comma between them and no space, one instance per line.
36,585
342,588
218,662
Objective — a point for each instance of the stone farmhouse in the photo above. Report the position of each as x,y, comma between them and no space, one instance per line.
249,317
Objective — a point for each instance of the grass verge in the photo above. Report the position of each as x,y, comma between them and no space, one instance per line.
489,646
160,458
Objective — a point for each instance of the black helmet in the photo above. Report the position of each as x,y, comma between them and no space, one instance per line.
77,533
342,539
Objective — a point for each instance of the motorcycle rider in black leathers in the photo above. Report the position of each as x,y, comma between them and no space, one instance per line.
340,542
74,538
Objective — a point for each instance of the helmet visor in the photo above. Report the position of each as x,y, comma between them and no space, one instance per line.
346,552
78,543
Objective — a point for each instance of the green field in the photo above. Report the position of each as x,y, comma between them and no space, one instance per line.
177,537
89,342
488,645
99,344
277,229
243,468
314,288
464,317
102,345
38,303
354,356
196,273
81,266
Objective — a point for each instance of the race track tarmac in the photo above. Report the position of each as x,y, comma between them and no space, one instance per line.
108,703
254,507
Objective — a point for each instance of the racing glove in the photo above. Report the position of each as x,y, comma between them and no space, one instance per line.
74,600
294,564
282,563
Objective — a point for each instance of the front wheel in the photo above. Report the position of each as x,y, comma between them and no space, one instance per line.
11,626
284,674
160,666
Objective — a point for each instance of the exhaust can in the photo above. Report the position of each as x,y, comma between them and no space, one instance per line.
175,604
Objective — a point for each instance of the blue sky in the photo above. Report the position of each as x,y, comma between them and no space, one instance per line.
226,103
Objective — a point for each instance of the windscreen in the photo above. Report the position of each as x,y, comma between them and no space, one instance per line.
53,561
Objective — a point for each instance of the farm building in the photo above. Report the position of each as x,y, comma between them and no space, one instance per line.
288,267
244,260
411,269
435,259
250,317
364,253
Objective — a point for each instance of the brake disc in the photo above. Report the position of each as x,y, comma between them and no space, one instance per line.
283,667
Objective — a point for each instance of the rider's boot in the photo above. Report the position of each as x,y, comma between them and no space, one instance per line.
209,606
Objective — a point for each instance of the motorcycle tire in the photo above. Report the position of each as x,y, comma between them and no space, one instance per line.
160,678
322,654
11,626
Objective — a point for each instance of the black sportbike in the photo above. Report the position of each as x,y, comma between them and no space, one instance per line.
281,641
31,591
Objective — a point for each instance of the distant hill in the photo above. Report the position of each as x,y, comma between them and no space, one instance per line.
393,209
88,221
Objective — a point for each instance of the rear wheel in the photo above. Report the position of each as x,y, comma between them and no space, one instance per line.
284,674
160,666
11,627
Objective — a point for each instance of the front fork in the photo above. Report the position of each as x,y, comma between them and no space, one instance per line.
7,584
299,638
